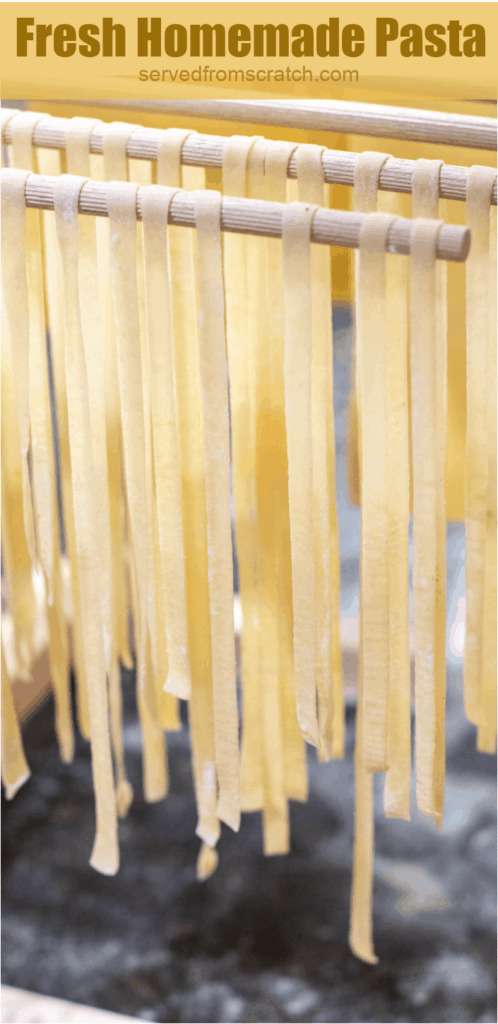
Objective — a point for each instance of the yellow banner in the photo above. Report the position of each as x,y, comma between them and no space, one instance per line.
404,53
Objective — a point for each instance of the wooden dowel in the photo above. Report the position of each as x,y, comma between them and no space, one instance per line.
341,116
207,151
256,217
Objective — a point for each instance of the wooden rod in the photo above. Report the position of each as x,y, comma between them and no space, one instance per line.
207,151
341,116
256,217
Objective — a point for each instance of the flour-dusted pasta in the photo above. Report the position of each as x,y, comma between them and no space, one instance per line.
211,338
188,389
430,697
295,773
26,320
265,374
428,362
15,770
296,234
480,492
311,189
105,854
371,389
243,437
213,364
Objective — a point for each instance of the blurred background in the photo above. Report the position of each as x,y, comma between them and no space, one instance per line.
264,939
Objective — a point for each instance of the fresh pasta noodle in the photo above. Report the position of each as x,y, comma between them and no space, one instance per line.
263,375
310,179
165,439
123,242
217,448
55,325
486,734
397,779
94,339
431,706
206,374
27,325
243,434
15,770
295,773
428,356
115,168
105,854
296,226
18,585
371,389
480,492
191,436
15,301
41,447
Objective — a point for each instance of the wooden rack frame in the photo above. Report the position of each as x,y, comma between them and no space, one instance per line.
256,217
341,116
201,150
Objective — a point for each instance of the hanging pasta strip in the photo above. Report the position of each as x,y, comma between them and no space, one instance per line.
105,854
154,754
94,338
42,458
426,203
140,171
27,294
371,311
42,448
165,434
479,187
123,259
17,567
428,501
296,225
486,733
50,162
123,256
371,392
78,163
167,704
360,922
213,366
311,188
264,372
242,422
294,749
397,781
115,168
191,431
15,770
15,301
